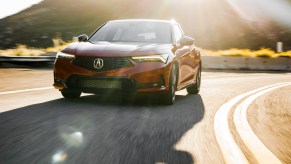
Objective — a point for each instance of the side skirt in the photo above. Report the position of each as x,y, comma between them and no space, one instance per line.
185,86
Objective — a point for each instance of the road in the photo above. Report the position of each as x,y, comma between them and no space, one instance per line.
38,126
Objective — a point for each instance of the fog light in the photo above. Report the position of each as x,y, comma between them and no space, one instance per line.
150,85
58,80
155,84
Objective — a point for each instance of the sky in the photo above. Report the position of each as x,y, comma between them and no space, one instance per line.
9,7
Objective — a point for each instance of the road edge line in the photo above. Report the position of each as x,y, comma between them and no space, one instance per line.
25,90
230,150
254,144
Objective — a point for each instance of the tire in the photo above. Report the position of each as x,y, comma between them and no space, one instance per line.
169,97
194,89
71,94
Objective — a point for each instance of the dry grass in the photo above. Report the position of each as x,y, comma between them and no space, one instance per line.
23,50
56,48
285,54
263,52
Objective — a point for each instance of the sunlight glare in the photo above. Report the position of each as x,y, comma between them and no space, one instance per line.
9,7
262,10
59,157
74,139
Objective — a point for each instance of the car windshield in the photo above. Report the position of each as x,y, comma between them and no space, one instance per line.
130,31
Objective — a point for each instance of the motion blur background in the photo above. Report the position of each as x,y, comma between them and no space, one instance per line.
219,24
38,126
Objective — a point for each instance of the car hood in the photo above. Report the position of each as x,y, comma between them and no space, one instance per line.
107,49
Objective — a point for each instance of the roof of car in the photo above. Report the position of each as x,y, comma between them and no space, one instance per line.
144,20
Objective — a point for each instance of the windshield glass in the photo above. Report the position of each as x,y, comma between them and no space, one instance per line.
139,31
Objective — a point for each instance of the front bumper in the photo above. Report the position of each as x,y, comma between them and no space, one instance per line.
114,85
138,78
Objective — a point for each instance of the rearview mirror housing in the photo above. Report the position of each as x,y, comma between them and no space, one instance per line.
186,41
83,38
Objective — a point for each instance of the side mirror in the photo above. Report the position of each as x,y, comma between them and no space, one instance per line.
82,38
186,41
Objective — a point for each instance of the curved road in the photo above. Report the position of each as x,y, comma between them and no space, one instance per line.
38,126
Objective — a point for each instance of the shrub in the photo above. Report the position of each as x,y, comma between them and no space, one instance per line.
263,52
22,50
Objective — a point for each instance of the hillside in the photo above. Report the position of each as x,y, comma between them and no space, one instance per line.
214,25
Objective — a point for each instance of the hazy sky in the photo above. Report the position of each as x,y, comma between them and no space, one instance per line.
9,7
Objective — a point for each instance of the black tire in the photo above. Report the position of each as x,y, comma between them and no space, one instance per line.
169,97
194,89
71,94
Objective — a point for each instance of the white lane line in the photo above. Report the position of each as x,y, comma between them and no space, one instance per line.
226,75
25,90
259,150
231,151
219,76
243,75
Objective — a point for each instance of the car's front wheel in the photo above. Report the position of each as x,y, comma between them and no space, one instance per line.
194,89
169,97
70,94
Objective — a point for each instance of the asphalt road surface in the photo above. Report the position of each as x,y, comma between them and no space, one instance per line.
238,117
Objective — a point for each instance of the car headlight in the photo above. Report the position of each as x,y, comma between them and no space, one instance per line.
61,55
152,58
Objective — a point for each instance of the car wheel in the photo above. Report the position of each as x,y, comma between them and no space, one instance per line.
169,97
194,89
70,94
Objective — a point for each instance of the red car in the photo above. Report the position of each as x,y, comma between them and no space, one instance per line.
130,57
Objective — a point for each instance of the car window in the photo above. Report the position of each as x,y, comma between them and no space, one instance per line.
117,35
178,33
149,32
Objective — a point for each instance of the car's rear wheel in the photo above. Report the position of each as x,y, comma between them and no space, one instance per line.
169,97
194,89
70,94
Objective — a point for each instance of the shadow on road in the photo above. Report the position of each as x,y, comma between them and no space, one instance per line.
94,129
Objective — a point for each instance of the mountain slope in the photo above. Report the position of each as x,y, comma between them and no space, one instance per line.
214,25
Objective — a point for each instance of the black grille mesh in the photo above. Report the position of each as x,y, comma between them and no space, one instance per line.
103,84
95,83
110,63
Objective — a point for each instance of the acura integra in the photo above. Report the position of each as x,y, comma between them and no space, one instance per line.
130,57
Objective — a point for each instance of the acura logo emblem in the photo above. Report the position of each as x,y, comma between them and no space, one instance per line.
98,63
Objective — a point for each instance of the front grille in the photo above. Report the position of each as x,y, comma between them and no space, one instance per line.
110,63
96,84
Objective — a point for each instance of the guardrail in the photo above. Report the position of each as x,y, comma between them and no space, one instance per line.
246,63
209,62
27,59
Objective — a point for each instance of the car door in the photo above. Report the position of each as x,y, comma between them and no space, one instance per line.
186,60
